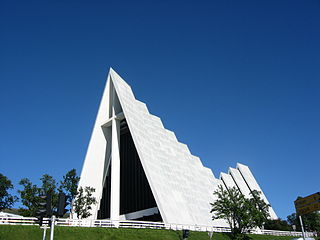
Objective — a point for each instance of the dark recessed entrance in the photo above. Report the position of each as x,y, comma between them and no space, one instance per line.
135,191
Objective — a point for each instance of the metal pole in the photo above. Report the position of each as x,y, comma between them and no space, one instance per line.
52,226
301,223
44,232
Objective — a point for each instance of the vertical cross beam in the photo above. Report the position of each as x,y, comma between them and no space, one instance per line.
115,167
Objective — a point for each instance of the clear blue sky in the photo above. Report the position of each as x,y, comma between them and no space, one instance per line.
237,81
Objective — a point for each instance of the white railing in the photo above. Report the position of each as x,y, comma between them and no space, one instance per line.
285,233
197,228
17,220
138,224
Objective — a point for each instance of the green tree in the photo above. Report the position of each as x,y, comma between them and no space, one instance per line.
6,199
30,193
83,201
311,221
277,224
241,213
29,197
292,219
69,186
49,186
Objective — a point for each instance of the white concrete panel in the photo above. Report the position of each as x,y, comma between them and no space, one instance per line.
243,187
228,181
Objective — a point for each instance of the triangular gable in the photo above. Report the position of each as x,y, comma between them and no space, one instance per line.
180,184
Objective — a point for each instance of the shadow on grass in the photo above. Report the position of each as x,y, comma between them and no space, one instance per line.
179,235
237,236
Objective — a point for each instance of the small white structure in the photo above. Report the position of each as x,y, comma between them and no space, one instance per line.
11,215
141,171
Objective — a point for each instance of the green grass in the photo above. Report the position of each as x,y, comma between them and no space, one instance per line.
12,232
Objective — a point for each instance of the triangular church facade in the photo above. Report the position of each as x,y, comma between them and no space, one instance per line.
140,171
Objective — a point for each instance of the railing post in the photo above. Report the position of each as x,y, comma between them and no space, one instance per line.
44,232
52,227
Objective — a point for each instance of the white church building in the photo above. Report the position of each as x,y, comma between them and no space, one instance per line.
140,171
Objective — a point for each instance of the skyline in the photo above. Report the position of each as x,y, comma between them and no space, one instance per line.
236,82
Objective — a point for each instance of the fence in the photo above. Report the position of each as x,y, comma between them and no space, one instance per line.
139,224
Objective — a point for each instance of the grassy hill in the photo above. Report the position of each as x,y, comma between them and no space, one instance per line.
12,232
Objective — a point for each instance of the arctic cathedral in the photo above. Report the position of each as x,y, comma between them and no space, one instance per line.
140,171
